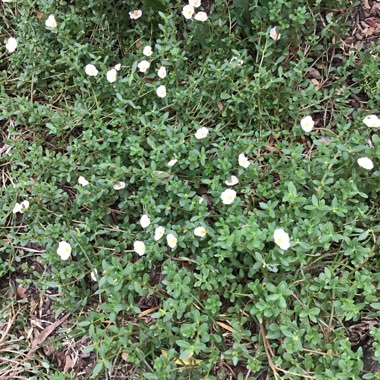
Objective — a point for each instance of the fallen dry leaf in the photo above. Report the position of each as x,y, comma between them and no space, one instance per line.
20,291
269,148
41,337
148,311
226,327
69,364
125,356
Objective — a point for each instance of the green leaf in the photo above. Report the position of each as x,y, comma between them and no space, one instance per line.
156,5
97,369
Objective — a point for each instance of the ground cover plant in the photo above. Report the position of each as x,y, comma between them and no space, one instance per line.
189,191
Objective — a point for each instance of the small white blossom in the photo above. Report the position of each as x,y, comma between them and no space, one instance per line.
119,186
200,231
162,72
232,181
201,16
118,67
243,161
20,207
307,124
372,121
195,3
83,181
143,66
365,163
161,91
201,133
91,70
281,238
50,22
172,163
11,44
274,34
94,275
144,221
171,240
228,196
111,75
134,15
235,61
139,247
159,233
64,250
188,11
147,51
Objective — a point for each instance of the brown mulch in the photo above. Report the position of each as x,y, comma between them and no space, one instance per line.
365,28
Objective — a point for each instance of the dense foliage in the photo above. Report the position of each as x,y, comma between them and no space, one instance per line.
233,300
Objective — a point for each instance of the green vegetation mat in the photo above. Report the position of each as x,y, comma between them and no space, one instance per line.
193,189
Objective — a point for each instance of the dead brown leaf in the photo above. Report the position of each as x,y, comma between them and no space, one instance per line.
41,337
220,106
148,311
269,148
69,364
20,291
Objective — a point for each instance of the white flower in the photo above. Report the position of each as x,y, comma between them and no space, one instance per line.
159,233
201,16
195,3
235,61
144,221
365,163
171,240
51,22
119,186
94,275
307,124
162,72
134,15
25,205
20,207
274,34
281,238
143,66
232,181
83,181
147,51
243,161
161,91
172,163
118,67
201,133
111,75
91,70
11,44
200,231
64,250
228,196
372,121
188,11
139,247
